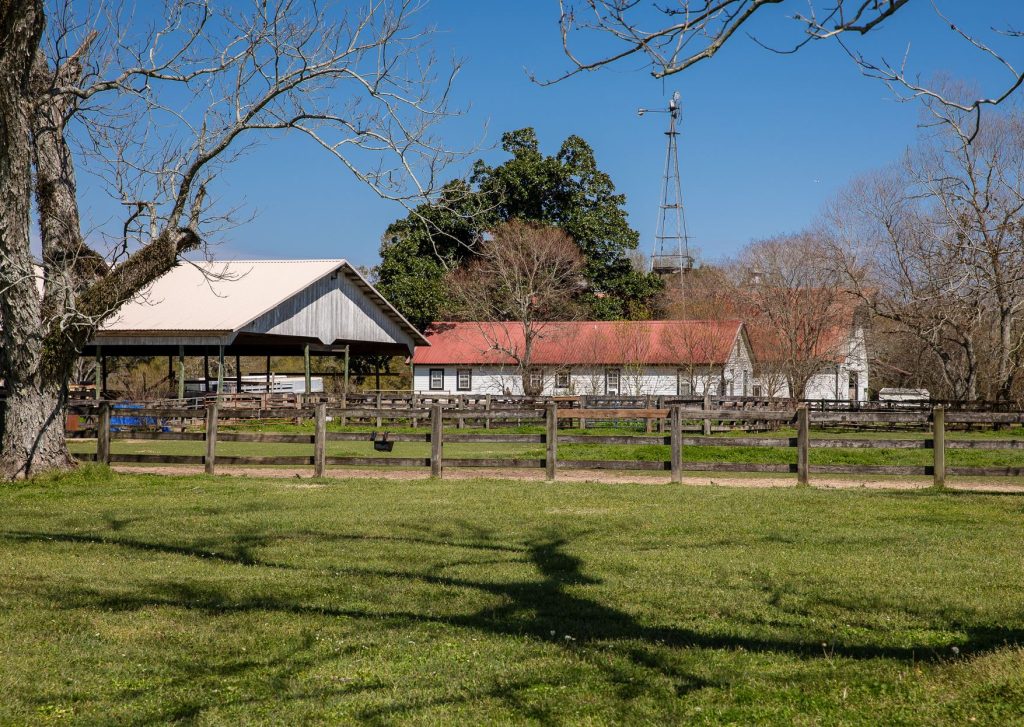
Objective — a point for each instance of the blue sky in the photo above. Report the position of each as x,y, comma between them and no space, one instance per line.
766,139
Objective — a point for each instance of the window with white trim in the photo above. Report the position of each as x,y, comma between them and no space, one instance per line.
537,379
464,379
684,387
436,379
611,381
562,380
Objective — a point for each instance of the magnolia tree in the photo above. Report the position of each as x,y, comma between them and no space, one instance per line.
154,111
520,285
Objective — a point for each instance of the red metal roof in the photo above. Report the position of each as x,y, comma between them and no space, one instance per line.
582,342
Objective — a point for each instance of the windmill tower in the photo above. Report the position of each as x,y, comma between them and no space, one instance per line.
670,256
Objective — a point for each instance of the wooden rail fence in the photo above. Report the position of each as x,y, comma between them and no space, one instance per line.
554,435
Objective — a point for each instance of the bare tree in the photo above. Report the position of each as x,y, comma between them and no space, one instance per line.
632,347
936,245
798,312
675,35
521,284
693,344
154,113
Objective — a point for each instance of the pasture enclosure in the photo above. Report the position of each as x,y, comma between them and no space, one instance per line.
556,430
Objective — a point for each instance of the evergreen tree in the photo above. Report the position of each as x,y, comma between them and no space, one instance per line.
566,190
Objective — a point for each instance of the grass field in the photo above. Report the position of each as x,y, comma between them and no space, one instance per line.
143,599
653,452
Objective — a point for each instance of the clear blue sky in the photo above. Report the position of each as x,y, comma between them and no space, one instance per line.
766,138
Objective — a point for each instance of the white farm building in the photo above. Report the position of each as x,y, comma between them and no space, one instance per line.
633,358
627,358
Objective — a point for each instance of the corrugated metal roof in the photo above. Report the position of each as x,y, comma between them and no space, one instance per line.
583,342
217,296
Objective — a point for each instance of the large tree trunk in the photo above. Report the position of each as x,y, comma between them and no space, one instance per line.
33,437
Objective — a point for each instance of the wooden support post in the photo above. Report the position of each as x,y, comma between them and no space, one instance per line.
344,407
181,372
707,422
220,371
551,461
380,422
211,437
487,408
676,417
103,378
306,370
103,434
583,406
206,373
460,404
238,375
320,441
268,381
345,391
648,422
99,372
436,440
803,443
939,447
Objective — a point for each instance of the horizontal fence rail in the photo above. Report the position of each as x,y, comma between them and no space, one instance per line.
109,422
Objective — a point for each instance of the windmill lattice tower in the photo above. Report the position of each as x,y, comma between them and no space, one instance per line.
671,253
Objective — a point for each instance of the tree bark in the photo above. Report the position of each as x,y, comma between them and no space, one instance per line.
33,436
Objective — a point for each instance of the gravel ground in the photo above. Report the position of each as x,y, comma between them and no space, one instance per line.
598,476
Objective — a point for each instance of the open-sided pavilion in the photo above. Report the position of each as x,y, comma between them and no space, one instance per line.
254,308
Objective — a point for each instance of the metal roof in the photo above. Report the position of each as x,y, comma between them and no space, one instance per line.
222,297
583,342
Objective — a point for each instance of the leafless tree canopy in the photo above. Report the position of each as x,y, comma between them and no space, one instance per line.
935,245
525,275
795,305
152,103
674,35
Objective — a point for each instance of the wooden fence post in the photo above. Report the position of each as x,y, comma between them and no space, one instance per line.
487,408
380,421
415,405
103,434
803,435
211,437
436,440
939,447
676,416
705,406
320,441
551,461
344,394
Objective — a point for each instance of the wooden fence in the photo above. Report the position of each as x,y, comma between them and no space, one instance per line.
554,434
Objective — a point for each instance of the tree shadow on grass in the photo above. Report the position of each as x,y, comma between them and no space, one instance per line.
548,606
536,607
240,551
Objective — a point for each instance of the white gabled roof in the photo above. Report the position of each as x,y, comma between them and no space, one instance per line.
223,297
217,296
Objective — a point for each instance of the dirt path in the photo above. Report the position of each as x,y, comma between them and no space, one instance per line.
598,476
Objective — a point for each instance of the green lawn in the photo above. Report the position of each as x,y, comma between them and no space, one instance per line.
142,599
